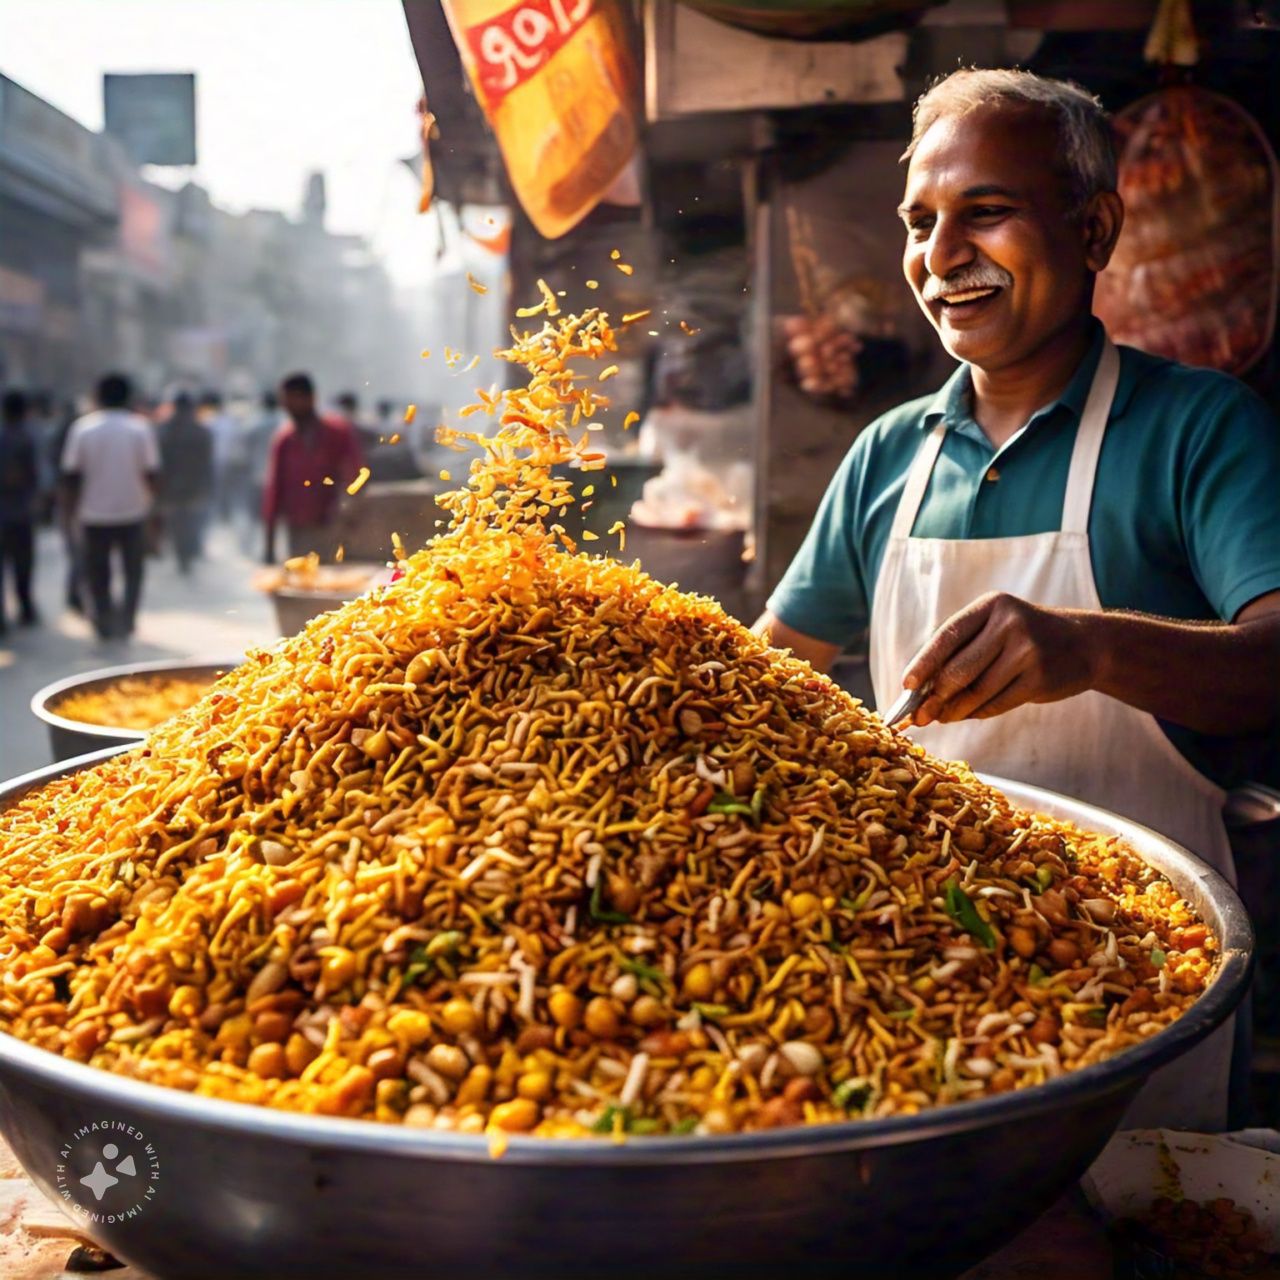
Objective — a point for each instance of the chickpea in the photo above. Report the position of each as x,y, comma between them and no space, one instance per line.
623,893
601,1018
565,1008
1063,952
647,1012
272,1026
268,1061
718,1120
85,1037
535,1085
699,982
459,1018
804,905
1022,938
410,1024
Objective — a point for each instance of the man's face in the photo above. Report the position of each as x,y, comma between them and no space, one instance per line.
297,403
993,256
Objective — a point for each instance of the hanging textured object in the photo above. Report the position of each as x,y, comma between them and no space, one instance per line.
1194,276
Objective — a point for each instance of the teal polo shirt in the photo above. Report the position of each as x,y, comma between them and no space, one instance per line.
1185,521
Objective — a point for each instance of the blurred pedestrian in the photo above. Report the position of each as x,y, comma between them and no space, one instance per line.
312,460
225,431
43,425
110,469
64,510
186,470
19,494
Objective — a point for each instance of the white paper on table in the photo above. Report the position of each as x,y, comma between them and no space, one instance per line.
1139,1166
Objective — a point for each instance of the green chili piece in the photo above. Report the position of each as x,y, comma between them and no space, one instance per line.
961,909
445,944
645,972
852,1094
1044,877
643,1125
712,1010
1037,976
1096,1017
757,803
599,911
421,963
687,1125
605,1124
1158,957
726,803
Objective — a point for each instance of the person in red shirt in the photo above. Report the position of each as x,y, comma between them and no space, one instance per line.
312,460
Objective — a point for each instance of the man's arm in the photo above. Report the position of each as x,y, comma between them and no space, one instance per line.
1001,652
817,653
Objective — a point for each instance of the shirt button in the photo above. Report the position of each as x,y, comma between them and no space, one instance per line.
993,475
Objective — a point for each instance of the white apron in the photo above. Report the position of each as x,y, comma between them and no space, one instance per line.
1091,747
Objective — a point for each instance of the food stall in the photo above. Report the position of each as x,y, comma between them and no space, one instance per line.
531,917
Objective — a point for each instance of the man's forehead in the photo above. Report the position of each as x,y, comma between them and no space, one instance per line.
1001,145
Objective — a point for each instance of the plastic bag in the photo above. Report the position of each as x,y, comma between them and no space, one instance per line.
558,83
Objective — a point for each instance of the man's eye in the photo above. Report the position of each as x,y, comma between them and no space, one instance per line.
987,211
920,227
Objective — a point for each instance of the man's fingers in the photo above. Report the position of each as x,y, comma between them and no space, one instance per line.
956,632
991,683
1015,694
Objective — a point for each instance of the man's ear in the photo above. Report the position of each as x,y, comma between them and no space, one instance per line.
1100,225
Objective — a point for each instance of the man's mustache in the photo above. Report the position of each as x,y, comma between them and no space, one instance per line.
982,275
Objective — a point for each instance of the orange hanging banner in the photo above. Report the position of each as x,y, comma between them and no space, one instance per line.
558,83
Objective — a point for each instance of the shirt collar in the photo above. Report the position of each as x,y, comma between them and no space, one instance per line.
952,403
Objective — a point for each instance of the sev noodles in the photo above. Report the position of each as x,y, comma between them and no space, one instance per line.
528,842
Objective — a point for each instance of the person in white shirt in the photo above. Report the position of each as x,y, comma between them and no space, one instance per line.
110,466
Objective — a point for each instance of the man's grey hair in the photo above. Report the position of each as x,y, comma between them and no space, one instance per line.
1088,150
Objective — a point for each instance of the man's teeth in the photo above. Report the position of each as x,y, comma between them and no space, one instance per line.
967,295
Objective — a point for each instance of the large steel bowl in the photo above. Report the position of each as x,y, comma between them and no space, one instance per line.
71,738
246,1191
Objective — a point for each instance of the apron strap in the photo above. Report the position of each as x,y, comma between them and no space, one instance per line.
904,518
1088,446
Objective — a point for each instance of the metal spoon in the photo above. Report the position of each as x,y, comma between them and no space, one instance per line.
907,705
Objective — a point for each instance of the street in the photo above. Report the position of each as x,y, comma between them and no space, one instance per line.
214,613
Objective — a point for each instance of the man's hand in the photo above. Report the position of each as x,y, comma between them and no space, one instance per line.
823,355
999,653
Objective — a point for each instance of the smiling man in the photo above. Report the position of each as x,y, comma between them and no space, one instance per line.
1075,548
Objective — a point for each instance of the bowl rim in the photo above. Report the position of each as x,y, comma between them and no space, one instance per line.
48,694
333,1133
